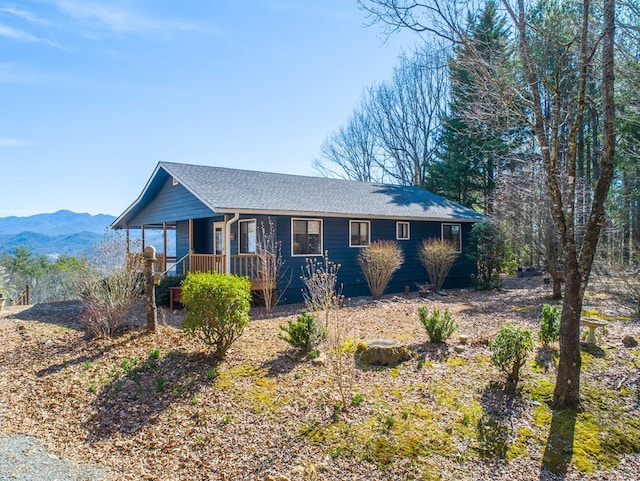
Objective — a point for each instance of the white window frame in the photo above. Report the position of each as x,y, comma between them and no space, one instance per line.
174,181
368,222
293,219
459,236
246,221
408,224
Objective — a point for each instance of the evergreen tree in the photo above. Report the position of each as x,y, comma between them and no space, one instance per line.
475,141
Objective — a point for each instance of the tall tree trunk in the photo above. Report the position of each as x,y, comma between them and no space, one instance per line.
567,390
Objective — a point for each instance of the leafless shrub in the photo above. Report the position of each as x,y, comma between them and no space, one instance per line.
109,285
340,359
320,280
270,267
379,261
437,257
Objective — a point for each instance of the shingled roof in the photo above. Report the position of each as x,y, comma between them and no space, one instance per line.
226,190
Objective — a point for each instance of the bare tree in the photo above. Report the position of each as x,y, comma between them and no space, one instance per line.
406,115
551,98
350,152
392,135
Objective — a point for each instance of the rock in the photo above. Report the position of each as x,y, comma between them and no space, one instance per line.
459,347
463,338
298,470
629,341
279,477
382,352
321,360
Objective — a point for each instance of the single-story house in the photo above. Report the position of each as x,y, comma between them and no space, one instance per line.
216,215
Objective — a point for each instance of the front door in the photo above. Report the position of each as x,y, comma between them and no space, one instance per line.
218,238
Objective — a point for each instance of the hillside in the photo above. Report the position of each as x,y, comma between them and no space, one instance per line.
62,232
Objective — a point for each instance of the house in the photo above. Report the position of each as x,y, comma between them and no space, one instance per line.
215,215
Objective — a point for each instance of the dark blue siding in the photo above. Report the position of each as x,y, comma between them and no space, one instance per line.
350,276
172,203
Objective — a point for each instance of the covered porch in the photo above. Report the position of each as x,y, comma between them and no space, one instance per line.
199,245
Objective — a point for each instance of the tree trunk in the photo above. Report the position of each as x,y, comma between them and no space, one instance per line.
567,390
557,288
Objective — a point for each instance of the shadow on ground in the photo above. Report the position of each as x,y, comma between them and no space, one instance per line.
137,395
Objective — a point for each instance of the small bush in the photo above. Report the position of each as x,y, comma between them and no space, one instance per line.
509,350
437,257
549,325
162,289
379,261
439,327
217,308
303,333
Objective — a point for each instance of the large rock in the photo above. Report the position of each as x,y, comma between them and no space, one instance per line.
382,352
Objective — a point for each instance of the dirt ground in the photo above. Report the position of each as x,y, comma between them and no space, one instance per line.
159,408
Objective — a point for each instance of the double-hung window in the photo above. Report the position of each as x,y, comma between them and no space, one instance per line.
306,237
402,231
359,233
247,236
452,233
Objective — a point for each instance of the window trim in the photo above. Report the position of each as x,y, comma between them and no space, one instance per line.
293,219
240,236
368,222
408,224
174,181
459,236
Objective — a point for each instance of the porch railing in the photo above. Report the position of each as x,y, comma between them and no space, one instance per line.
206,263
259,270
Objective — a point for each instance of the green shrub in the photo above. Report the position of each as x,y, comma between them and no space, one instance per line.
549,325
509,350
162,289
439,327
303,333
217,308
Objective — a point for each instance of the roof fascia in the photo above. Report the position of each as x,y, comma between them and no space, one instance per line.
138,200
298,213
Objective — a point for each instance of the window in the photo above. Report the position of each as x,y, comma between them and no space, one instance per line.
451,233
359,233
306,237
174,181
402,230
247,237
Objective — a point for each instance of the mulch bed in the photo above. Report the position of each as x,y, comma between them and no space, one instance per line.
159,408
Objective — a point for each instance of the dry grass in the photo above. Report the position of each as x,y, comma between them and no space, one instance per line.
265,411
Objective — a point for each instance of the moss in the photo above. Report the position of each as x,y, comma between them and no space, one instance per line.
456,361
541,391
519,447
522,308
349,345
600,434
414,433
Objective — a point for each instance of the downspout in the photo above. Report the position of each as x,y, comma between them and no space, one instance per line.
227,241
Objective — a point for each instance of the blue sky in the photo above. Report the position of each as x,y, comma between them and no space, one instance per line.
94,93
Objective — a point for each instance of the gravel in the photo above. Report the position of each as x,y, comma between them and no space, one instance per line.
23,459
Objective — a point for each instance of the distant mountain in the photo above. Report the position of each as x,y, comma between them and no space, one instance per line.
63,232
61,222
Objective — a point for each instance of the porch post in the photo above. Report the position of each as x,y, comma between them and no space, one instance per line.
128,248
227,240
142,231
164,245
190,244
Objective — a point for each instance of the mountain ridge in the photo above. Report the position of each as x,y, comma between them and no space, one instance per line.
53,234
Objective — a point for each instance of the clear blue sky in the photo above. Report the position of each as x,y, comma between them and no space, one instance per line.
93,93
